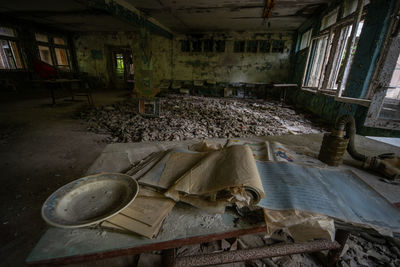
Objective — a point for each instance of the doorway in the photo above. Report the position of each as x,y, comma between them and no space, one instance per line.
122,68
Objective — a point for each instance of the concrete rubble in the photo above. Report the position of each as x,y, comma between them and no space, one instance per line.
186,117
358,251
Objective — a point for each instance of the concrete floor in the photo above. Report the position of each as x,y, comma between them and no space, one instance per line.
41,148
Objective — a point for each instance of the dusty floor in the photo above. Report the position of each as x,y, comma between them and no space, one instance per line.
41,148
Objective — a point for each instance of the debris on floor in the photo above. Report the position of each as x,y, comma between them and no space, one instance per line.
357,252
186,117
373,252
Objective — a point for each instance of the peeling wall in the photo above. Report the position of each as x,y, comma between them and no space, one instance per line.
100,68
229,66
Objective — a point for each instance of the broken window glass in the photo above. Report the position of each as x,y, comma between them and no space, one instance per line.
252,46
265,46
220,46
196,46
278,46
238,47
208,45
185,45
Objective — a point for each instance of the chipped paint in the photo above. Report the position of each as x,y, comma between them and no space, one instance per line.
100,68
229,66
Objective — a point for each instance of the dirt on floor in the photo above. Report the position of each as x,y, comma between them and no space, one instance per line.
44,147
41,148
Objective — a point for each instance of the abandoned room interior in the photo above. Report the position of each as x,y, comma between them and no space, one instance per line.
200,133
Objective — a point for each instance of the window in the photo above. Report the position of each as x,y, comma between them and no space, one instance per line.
220,46
208,45
331,53
384,109
196,45
278,46
119,61
316,63
41,38
185,45
265,46
329,19
45,54
305,39
238,46
252,46
62,58
9,52
339,66
53,51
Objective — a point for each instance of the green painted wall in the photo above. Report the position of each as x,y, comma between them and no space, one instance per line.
160,48
363,65
229,66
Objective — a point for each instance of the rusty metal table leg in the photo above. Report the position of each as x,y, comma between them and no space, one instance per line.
168,257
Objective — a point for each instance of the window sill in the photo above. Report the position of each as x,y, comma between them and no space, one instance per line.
13,70
309,89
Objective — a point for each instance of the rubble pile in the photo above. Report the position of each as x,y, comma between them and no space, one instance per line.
366,250
360,250
186,117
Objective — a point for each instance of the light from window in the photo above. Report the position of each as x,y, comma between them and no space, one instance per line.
338,67
9,55
62,58
45,55
329,19
305,39
391,104
393,91
119,60
316,62
345,68
58,41
350,6
41,38
9,32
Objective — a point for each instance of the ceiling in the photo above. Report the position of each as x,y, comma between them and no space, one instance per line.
224,15
72,15
181,16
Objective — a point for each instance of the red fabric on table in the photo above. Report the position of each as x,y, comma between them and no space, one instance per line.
44,70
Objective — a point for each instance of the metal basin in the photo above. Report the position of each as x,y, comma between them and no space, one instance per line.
89,200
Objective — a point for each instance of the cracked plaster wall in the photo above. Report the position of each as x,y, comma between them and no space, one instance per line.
100,68
229,66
